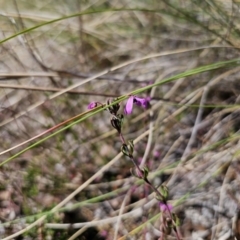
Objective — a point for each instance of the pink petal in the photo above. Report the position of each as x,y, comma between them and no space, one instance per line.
92,105
129,105
164,207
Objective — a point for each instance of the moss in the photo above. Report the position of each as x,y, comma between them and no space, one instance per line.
30,188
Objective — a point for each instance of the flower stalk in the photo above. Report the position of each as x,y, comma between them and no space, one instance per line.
169,221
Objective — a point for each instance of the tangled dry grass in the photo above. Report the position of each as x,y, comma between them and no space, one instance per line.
189,138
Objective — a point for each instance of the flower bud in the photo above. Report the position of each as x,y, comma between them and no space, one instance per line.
130,146
176,220
114,108
164,191
125,150
145,172
116,123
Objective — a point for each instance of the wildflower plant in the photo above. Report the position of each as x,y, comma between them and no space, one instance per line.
49,141
169,221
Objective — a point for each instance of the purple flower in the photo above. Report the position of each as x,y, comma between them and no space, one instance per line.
165,207
140,101
92,105
143,102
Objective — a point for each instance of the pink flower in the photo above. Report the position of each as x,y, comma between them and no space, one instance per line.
165,207
104,233
143,102
92,105
129,106
156,154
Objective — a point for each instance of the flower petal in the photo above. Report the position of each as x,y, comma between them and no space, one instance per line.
143,102
92,105
129,105
164,207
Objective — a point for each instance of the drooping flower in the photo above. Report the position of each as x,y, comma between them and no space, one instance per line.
143,102
165,207
92,105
